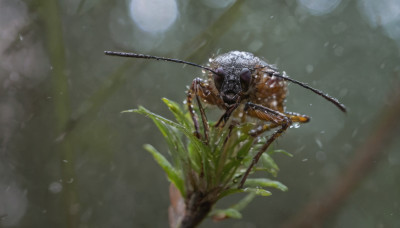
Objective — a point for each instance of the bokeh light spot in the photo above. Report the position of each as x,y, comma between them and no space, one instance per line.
153,15
385,13
319,7
218,4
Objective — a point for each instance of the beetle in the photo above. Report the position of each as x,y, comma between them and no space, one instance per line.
242,85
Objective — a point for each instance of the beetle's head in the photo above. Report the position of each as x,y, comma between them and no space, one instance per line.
232,74
231,82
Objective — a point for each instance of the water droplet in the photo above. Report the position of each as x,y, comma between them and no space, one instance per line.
354,133
309,68
319,143
295,125
55,187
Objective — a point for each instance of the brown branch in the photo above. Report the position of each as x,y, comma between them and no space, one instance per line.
190,212
176,210
320,208
197,208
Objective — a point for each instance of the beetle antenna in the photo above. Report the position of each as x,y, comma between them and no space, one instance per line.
304,85
142,56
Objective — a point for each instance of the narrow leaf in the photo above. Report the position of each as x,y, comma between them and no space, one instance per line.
244,202
269,164
221,214
129,110
177,111
172,174
264,182
258,191
234,210
281,151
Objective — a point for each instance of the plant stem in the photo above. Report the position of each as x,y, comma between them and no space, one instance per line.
50,16
197,208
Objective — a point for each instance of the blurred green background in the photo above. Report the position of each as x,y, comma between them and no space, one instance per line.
68,158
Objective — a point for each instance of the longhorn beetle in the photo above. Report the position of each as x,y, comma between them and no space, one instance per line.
242,85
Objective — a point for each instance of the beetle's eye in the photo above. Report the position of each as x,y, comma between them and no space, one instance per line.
245,79
219,77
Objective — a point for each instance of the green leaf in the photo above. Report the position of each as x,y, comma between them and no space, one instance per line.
172,136
258,191
194,157
174,141
129,110
168,129
196,142
234,210
264,182
220,162
172,174
177,111
269,164
244,150
280,151
144,111
220,214
229,170
244,202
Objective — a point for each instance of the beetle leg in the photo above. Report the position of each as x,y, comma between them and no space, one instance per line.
199,89
294,117
189,99
225,117
270,115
